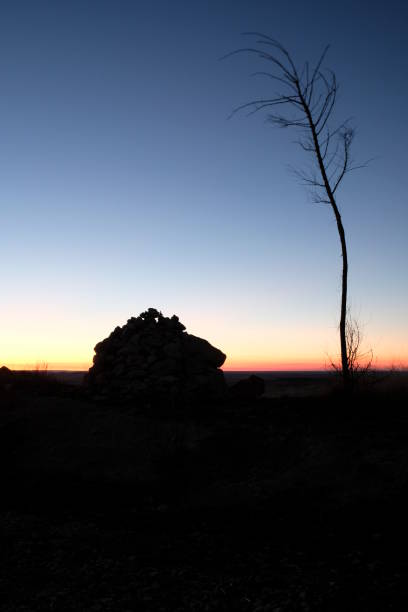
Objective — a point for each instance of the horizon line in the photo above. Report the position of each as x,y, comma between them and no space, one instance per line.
240,367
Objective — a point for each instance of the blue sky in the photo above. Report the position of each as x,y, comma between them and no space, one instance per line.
124,185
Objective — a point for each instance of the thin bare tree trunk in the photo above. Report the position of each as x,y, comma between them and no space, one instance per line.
343,343
310,95
340,228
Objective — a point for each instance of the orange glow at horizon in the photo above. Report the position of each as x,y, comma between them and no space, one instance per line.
62,342
73,366
302,366
231,365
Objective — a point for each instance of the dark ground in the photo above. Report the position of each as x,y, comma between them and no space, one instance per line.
296,502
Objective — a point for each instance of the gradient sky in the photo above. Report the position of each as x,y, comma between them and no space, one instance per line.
124,185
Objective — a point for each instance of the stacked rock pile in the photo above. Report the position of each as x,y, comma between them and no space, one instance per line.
152,356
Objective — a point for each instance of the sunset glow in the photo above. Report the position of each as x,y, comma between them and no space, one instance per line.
73,352
124,185
203,305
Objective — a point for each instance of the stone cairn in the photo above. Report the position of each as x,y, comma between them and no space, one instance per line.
153,357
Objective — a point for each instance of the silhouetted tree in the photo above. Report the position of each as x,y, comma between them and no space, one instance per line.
308,97
359,361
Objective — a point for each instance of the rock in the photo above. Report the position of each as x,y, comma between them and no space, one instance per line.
197,348
172,349
6,375
248,388
152,356
6,387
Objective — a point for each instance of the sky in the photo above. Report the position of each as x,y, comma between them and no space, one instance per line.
124,185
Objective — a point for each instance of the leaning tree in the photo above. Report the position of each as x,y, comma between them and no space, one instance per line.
306,101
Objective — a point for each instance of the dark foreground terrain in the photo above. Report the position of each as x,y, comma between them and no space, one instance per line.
279,504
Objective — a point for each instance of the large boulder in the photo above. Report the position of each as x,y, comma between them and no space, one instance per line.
152,356
248,388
